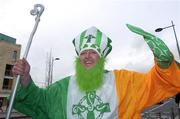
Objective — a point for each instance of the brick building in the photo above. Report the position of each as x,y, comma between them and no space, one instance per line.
9,53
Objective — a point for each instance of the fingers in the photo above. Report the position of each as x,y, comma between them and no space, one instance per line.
18,68
135,29
139,31
21,67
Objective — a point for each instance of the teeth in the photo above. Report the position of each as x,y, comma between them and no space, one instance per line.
87,62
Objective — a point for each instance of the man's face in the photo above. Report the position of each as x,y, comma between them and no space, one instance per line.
89,58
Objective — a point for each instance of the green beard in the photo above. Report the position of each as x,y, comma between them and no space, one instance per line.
90,79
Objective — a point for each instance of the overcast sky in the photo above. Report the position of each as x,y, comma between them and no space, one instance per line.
63,20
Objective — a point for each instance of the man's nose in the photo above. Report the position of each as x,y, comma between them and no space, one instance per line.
87,54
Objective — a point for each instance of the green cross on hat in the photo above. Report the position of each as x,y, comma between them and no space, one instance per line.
93,38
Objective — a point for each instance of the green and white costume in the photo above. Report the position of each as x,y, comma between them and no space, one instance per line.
123,95
63,100
93,104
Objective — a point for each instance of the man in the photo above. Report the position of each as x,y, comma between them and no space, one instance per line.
95,93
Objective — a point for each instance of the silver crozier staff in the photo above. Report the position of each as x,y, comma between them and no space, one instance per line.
38,10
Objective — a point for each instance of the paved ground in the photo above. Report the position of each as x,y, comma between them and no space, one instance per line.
14,115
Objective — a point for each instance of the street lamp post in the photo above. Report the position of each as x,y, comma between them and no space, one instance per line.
51,69
177,97
173,26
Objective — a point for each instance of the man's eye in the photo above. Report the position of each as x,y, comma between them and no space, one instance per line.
93,52
82,53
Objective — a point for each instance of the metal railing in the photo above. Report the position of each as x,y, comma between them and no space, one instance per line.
166,110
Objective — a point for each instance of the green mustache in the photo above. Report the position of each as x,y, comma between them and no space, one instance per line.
89,79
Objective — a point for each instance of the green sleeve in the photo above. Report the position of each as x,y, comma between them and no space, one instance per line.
42,103
31,101
161,52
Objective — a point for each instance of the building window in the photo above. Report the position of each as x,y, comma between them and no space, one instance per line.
7,83
8,77
14,56
8,71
